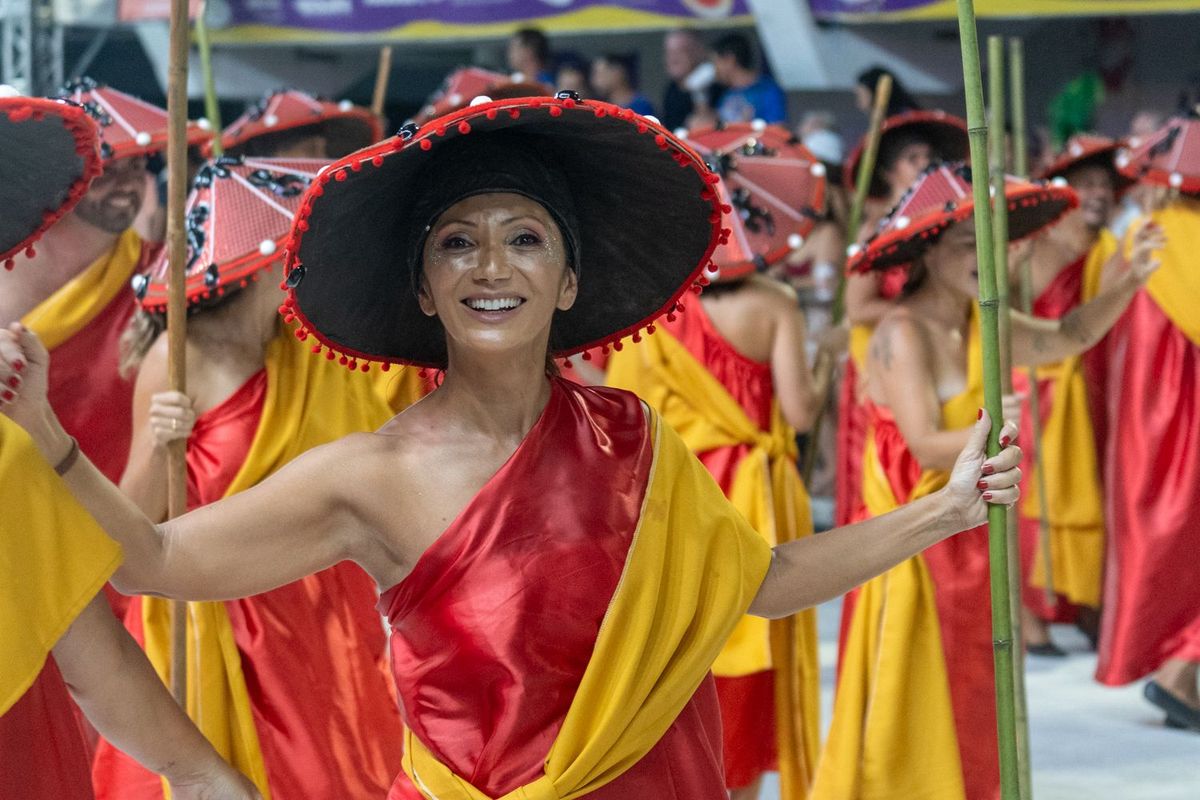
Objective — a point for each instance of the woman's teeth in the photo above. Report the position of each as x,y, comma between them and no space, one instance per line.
495,304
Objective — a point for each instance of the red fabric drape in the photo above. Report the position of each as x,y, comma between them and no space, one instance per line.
43,755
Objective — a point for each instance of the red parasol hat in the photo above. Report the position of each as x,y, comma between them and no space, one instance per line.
1083,149
637,208
942,197
946,132
464,85
349,127
1168,157
238,218
49,154
128,126
775,186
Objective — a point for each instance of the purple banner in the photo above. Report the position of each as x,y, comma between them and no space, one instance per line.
449,16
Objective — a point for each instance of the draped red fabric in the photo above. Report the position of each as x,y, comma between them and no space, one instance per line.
958,567
312,654
1062,294
1152,580
747,701
42,751
520,582
849,443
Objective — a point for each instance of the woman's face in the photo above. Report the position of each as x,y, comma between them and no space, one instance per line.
495,271
952,262
911,161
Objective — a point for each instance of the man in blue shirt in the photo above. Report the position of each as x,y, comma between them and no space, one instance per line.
750,94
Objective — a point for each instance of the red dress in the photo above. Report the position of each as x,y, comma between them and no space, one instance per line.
42,751
311,652
523,609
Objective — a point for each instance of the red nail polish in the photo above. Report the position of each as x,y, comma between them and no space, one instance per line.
1004,440
980,415
981,485
987,495
14,381
7,396
988,469
18,365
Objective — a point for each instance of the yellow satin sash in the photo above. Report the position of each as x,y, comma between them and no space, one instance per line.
1175,287
768,491
693,569
893,731
54,558
69,310
1074,500
309,401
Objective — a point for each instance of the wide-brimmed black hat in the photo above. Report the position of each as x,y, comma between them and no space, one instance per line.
637,207
49,154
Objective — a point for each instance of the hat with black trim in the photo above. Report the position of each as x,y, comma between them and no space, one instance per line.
1168,157
946,134
238,217
637,208
1085,149
346,127
128,126
49,154
943,196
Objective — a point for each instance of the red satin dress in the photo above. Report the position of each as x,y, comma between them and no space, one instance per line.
495,626
1061,295
43,755
1152,576
311,652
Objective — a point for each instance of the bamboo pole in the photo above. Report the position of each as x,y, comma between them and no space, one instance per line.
989,312
866,168
177,113
998,167
382,74
1016,65
212,108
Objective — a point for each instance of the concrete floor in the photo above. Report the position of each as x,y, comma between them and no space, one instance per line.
1090,742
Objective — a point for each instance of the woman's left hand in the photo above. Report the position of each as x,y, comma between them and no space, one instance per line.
977,481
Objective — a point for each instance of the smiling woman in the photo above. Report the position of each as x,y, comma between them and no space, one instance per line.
559,571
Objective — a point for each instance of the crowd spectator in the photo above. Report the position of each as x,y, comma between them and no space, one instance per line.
899,101
572,75
614,80
693,79
750,93
529,54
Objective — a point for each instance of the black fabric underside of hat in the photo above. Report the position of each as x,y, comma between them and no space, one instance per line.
38,165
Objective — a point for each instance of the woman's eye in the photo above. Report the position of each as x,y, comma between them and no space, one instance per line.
454,242
526,240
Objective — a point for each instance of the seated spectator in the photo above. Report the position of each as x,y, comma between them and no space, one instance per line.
572,75
899,101
750,94
613,79
693,83
529,54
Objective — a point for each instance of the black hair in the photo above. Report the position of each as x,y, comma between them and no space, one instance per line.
626,63
534,40
738,46
900,99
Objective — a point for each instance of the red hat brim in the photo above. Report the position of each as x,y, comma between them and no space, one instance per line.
49,155
946,132
1170,157
1099,152
252,126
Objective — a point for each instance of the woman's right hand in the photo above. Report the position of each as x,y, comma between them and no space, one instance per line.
24,367
171,417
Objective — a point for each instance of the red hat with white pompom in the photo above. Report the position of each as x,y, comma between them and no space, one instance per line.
946,133
238,217
346,127
464,85
1168,157
638,209
943,196
1085,149
775,186
128,126
49,154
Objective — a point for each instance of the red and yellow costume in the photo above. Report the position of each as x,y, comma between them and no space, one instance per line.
603,540
1152,475
723,406
340,736
55,560
1069,456
914,714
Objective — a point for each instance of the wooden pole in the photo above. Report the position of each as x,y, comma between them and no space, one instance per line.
382,74
998,167
177,113
862,185
1016,64
212,108
989,312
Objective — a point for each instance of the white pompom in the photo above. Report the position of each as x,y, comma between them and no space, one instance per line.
853,250
795,241
143,139
712,272
267,247
454,99
517,77
1176,180
1076,149
759,125
483,98
1123,160
1059,181
203,124
652,118
345,105
270,120
681,133
818,170
8,91
902,222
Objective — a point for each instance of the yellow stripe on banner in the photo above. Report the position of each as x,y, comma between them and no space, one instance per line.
693,569
606,19
1007,9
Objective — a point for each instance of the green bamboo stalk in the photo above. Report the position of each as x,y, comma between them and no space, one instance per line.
1021,168
989,313
212,109
999,167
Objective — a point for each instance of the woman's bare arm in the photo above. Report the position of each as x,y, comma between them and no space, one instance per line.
291,525
815,569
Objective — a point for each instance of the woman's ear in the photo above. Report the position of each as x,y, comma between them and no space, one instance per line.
425,298
568,290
